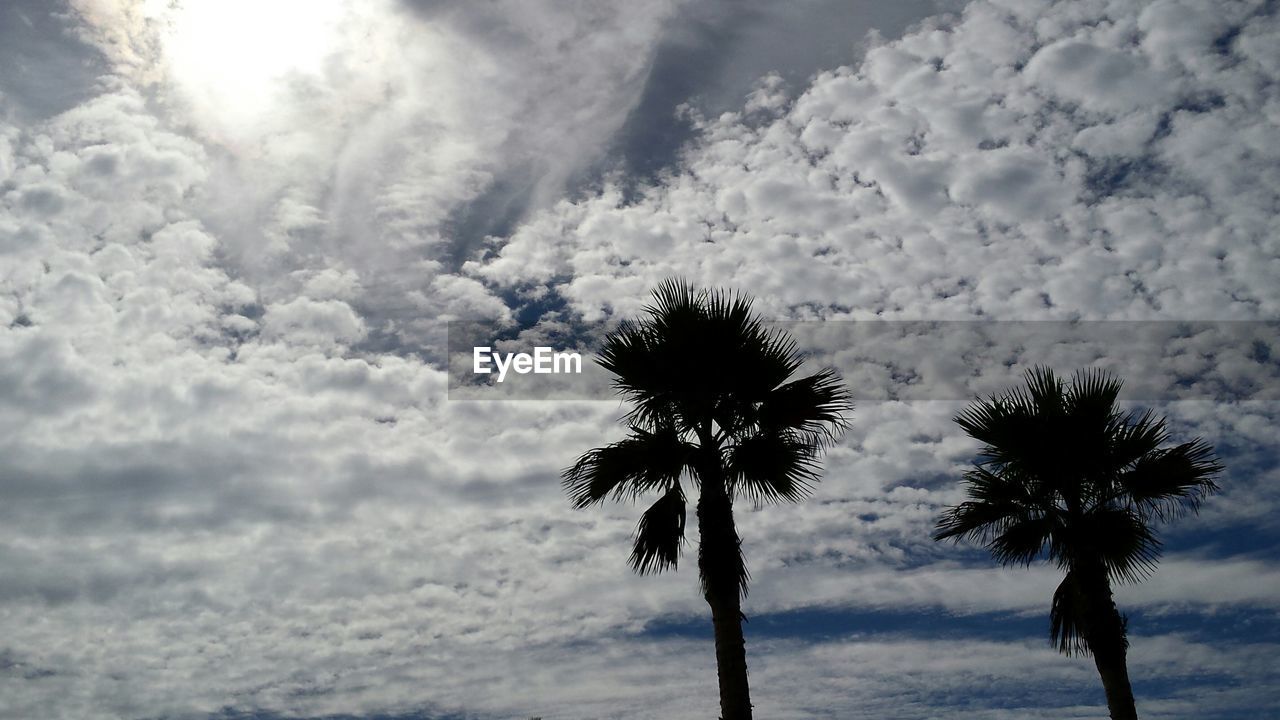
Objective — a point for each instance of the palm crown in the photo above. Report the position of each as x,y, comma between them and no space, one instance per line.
1064,474
712,403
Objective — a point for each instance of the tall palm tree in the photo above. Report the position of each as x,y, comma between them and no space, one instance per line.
714,405
1064,474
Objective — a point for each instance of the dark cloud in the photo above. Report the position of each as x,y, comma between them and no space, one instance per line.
47,68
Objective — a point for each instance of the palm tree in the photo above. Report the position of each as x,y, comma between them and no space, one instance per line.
1064,474
714,405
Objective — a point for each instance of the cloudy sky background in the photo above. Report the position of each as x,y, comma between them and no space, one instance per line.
231,234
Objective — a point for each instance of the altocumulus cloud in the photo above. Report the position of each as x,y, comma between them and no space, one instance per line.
1017,162
232,482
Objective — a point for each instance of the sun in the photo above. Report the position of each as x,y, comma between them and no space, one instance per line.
233,58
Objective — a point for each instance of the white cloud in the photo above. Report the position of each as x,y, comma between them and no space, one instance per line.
1098,78
313,322
937,180
221,490
1014,186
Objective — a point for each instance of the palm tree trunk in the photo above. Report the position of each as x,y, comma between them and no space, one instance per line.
1106,635
720,563
1115,681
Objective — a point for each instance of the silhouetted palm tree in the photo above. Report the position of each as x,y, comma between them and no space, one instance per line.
1064,474
714,403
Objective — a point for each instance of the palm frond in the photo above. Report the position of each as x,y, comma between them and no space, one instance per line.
1022,541
660,534
1119,539
1169,483
1009,428
1066,619
997,500
1136,436
643,373
1092,394
981,417
817,406
674,297
772,467
1046,391
755,359
641,462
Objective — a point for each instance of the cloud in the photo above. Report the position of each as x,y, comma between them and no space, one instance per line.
1012,186
1098,78
946,177
232,477
391,137
323,322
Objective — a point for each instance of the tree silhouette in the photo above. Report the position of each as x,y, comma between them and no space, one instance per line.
714,404
1064,474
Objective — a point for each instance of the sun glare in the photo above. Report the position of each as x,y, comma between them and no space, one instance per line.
231,56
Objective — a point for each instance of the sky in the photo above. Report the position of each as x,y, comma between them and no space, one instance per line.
234,483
